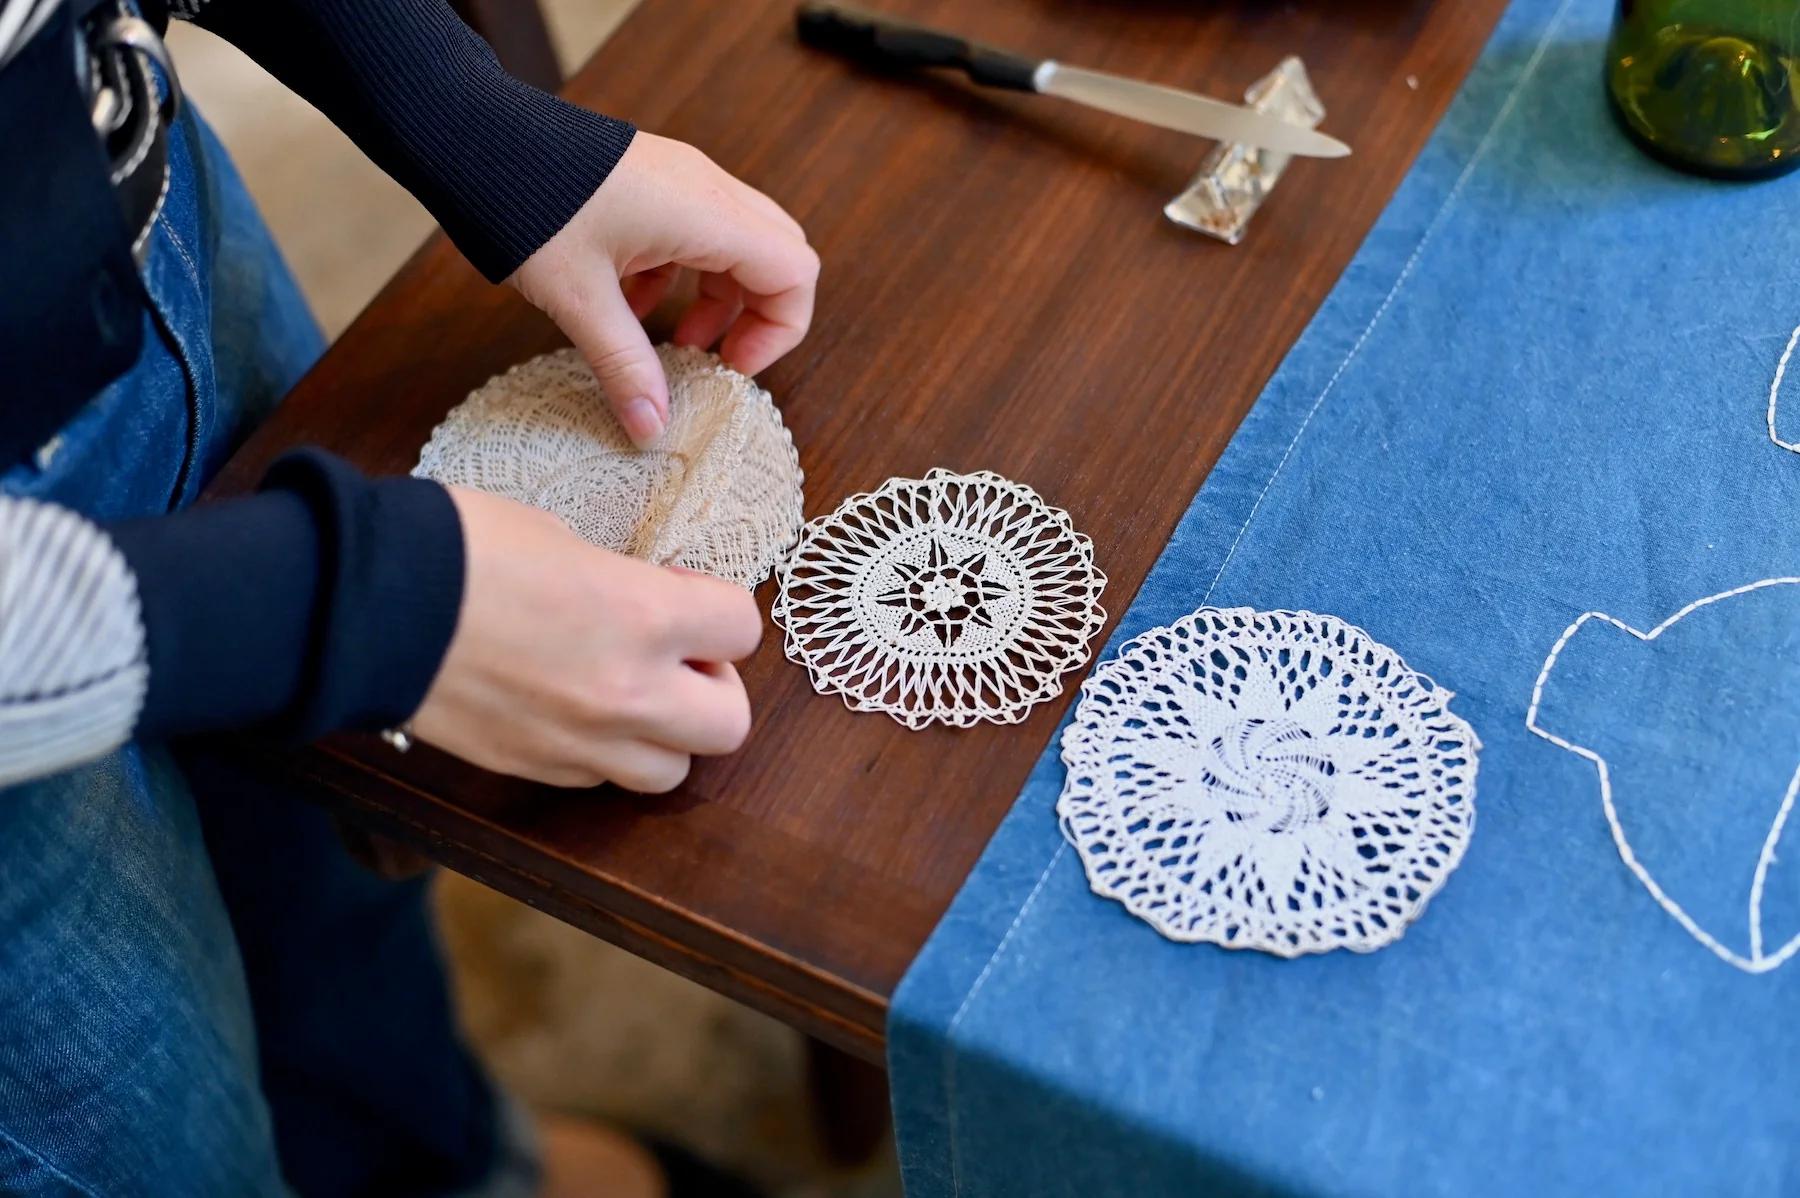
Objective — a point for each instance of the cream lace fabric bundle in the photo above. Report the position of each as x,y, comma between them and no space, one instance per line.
718,493
1268,780
954,598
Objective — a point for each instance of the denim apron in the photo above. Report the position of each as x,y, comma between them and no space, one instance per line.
200,994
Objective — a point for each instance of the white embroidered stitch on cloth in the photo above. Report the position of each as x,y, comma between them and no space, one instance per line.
718,493
954,598
1760,958
1270,780
1775,392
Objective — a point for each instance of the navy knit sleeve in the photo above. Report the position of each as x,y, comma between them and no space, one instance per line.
500,164
324,602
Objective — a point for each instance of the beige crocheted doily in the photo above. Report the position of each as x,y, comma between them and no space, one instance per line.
952,599
719,492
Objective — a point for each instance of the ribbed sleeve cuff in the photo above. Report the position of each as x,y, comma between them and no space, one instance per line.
500,164
324,602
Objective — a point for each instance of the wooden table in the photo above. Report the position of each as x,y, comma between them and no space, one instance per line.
1000,292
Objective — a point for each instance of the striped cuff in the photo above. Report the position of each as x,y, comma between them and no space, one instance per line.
73,667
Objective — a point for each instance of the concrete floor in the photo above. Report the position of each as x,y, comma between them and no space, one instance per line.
567,1021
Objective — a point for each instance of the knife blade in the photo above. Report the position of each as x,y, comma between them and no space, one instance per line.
1186,112
881,41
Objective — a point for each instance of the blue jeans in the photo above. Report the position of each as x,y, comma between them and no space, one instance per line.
200,993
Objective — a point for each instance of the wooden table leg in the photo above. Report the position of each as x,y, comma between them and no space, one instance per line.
849,1101
516,31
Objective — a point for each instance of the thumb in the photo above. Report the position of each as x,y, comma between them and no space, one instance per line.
618,351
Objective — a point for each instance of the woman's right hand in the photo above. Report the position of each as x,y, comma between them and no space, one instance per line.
575,666
666,208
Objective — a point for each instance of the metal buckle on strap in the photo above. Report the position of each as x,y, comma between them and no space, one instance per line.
119,57
112,95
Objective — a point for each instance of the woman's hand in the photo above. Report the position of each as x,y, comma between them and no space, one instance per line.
575,666
664,207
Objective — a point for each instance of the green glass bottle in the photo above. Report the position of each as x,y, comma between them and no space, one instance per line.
1710,85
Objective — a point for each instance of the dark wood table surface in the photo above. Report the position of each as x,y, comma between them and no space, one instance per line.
1000,292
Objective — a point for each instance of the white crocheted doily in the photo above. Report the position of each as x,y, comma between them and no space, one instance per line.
954,598
719,492
1270,780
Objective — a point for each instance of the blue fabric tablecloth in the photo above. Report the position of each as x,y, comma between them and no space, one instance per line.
1538,392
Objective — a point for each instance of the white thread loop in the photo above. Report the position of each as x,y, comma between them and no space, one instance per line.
1759,960
1775,392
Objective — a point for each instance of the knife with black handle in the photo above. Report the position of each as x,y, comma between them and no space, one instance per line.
879,41
884,42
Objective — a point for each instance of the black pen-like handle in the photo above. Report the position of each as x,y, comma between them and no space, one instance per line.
878,41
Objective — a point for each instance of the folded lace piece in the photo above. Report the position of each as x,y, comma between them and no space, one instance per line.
719,492
955,598
1269,780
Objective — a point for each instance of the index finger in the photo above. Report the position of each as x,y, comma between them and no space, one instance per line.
766,205
767,328
710,620
779,275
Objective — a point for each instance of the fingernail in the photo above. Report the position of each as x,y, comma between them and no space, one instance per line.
642,423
